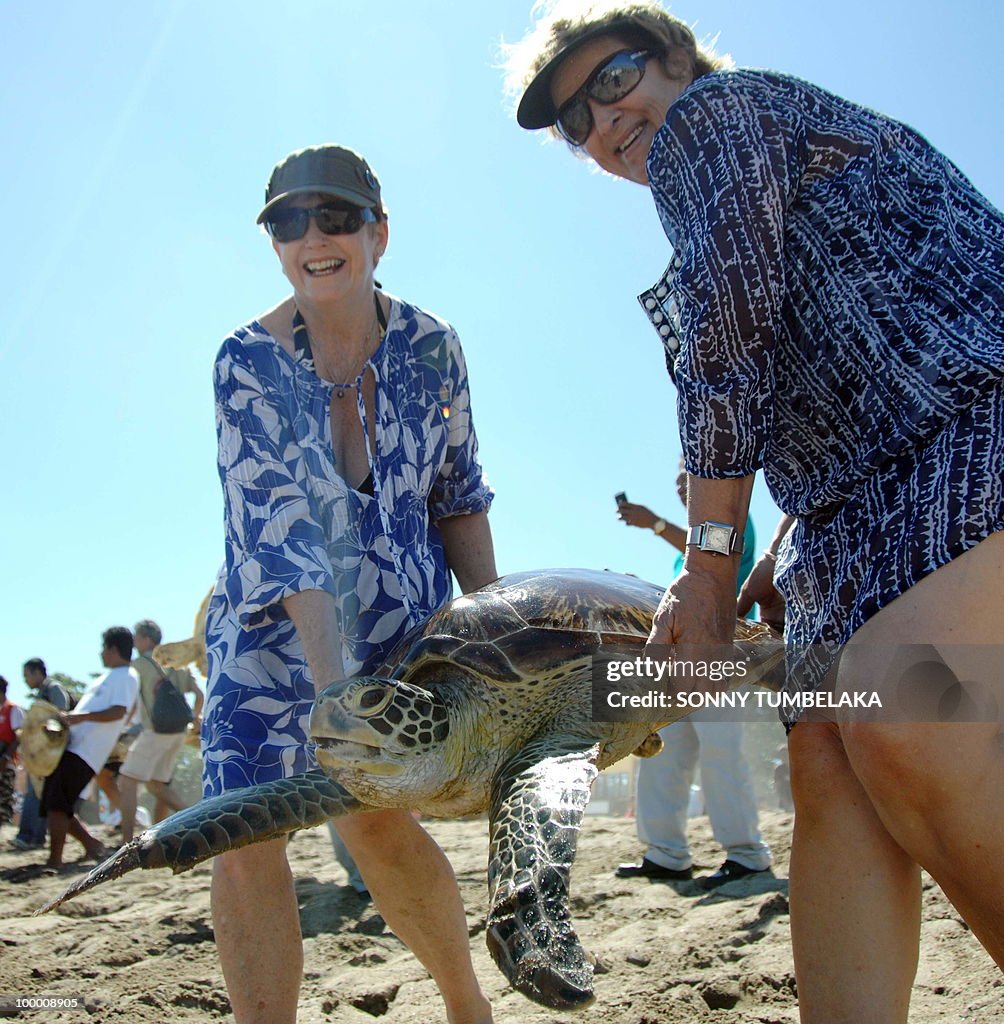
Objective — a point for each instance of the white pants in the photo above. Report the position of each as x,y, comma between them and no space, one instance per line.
664,793
344,858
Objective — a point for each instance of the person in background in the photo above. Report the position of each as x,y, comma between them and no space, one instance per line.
11,717
46,688
95,724
107,780
831,315
153,756
352,487
344,858
32,829
713,739
781,780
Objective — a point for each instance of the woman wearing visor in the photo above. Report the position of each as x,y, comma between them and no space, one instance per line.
352,488
832,316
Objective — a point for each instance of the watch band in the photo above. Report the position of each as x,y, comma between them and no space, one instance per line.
716,538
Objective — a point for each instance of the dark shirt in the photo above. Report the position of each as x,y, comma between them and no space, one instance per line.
55,693
835,297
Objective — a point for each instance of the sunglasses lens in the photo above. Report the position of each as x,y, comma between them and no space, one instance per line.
609,83
614,81
336,220
575,121
287,225
290,224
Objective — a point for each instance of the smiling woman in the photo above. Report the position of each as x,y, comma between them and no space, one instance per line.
830,314
352,488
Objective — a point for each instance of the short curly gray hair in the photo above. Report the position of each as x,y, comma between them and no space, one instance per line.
149,629
561,23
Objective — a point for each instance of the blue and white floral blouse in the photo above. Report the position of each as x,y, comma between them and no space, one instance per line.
294,524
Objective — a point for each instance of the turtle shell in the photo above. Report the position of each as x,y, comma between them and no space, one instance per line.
43,738
526,623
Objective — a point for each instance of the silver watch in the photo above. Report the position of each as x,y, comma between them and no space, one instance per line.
718,538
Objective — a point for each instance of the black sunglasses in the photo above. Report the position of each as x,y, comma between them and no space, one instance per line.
611,81
289,223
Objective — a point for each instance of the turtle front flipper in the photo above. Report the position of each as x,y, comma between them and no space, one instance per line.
223,823
537,805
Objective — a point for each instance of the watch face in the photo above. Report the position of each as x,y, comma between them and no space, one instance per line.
718,538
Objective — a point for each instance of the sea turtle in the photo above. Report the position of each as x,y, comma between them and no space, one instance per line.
486,705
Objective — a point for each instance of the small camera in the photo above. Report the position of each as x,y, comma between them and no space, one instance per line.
621,498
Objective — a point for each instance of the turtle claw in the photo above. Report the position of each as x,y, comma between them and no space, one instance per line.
559,991
533,971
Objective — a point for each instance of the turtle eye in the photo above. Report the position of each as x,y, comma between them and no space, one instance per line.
371,700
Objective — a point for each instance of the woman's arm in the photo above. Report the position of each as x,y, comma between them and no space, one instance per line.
700,605
461,496
470,553
313,614
467,541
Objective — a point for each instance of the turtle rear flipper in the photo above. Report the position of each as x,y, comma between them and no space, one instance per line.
223,823
537,805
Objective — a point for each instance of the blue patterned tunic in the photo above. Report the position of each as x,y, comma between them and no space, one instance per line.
833,316
294,524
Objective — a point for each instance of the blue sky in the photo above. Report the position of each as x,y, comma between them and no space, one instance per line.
138,139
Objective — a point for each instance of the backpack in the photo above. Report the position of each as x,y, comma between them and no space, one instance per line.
170,713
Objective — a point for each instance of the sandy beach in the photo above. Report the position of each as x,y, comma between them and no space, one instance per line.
141,948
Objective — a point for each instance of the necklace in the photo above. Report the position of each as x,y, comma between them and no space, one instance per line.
304,351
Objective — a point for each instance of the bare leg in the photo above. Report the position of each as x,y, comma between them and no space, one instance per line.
937,786
107,784
94,847
938,790
128,794
415,890
877,799
60,824
855,894
166,797
258,933
160,811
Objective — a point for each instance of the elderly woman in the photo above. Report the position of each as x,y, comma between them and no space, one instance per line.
352,488
832,316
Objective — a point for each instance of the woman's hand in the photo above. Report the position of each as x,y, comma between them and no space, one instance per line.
697,617
697,608
759,589
636,515
314,616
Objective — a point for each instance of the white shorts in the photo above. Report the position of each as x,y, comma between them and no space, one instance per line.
153,756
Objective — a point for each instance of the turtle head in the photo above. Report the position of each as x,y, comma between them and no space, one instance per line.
370,726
